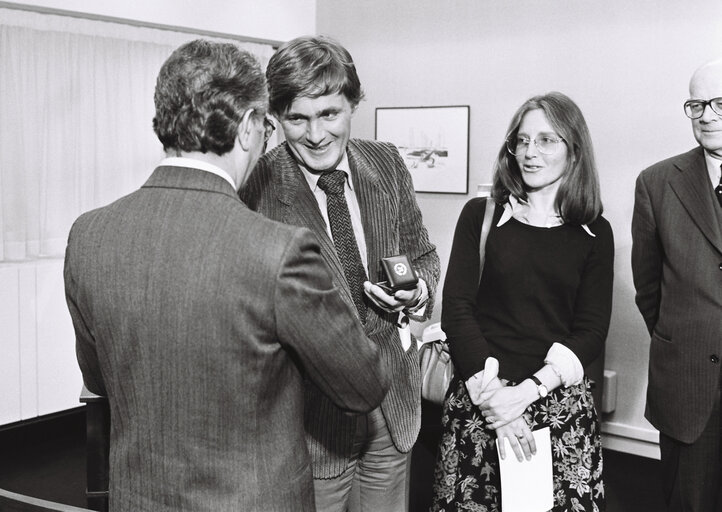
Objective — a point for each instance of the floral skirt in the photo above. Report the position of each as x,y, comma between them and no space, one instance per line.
467,467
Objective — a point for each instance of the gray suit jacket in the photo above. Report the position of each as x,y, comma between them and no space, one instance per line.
677,268
199,319
392,225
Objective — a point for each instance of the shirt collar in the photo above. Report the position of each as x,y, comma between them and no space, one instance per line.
182,161
312,178
713,168
520,211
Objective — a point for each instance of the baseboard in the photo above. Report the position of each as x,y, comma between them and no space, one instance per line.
630,439
41,428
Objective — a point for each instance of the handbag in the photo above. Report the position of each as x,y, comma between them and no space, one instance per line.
437,369
436,366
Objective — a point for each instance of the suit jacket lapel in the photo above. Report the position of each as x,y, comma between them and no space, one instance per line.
377,208
301,209
692,187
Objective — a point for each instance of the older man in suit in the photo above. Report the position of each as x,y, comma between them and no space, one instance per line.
199,319
358,198
677,266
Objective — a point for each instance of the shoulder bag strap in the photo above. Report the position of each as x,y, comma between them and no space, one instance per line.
485,227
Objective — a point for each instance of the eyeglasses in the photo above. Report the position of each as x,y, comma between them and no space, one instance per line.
268,128
545,144
694,109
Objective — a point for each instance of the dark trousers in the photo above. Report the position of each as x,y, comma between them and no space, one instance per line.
692,473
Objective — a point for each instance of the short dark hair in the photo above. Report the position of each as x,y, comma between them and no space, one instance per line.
578,199
201,94
311,66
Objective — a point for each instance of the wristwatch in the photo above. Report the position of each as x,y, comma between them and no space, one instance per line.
541,388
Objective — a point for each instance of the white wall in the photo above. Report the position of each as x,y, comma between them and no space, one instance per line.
277,20
38,370
627,65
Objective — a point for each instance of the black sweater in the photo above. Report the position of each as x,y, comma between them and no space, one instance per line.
539,286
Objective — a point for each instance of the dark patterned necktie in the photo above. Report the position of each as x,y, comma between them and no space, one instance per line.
718,190
332,183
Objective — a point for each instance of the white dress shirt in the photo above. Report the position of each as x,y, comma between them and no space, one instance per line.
182,161
713,168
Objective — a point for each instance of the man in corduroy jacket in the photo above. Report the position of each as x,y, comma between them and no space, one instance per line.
358,198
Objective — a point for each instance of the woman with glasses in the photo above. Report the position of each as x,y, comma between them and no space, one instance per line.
522,332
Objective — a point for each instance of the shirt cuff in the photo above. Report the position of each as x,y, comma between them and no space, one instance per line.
404,335
565,364
480,380
419,308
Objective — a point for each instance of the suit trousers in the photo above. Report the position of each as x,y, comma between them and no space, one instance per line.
376,477
692,473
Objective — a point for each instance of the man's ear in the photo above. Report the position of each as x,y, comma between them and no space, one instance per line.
245,130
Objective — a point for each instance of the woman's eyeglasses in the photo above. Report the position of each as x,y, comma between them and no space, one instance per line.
545,144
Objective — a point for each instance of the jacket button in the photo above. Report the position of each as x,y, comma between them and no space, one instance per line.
714,358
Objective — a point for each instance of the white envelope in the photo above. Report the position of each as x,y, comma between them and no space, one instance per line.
528,486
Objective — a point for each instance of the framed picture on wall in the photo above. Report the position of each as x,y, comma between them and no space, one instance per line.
434,143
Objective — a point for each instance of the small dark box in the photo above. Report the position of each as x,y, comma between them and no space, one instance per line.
399,273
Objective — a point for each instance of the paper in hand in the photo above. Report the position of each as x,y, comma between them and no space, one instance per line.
528,486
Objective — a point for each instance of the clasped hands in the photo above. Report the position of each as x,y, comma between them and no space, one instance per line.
503,409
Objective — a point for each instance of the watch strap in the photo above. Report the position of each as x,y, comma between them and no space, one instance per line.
540,388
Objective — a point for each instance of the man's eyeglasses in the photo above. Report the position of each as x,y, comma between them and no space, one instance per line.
694,109
268,128
545,144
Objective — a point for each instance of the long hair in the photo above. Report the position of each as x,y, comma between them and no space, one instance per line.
311,66
578,199
201,94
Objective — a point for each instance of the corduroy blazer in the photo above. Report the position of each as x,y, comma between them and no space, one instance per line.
677,268
199,319
392,225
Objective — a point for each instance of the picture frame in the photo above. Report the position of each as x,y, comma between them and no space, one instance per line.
433,142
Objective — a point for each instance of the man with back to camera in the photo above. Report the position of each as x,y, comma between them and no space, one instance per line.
192,312
358,198
677,267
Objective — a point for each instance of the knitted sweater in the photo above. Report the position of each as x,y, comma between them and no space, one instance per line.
539,286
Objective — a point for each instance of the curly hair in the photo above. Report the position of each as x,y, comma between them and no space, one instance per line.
578,199
311,66
201,94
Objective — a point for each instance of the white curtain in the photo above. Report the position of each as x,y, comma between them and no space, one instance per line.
76,109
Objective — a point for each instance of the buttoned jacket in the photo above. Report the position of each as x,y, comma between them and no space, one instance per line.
677,268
